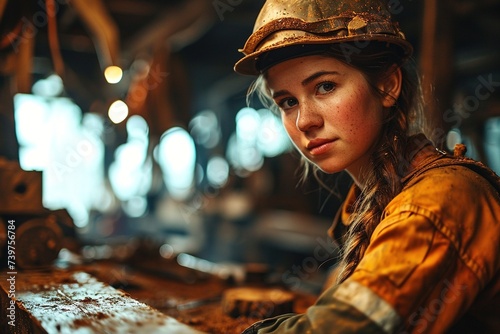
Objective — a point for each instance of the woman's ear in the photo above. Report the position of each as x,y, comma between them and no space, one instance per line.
390,86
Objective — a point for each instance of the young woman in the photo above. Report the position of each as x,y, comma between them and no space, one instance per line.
420,229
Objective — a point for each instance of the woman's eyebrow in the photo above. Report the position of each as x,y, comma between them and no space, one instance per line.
280,93
316,75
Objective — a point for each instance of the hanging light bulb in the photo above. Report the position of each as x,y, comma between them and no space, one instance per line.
118,111
113,74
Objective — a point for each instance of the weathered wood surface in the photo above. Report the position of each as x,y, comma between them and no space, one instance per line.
76,302
257,302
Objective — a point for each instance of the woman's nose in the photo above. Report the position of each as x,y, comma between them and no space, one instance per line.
308,118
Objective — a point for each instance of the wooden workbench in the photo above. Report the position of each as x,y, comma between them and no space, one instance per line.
110,297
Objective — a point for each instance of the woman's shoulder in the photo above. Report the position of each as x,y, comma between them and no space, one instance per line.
461,204
457,199
450,188
450,177
429,167
451,193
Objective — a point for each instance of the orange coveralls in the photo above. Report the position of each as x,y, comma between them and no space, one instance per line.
432,265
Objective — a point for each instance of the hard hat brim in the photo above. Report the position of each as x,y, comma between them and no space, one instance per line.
352,28
248,65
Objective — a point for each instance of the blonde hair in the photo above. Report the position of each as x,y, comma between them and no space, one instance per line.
390,160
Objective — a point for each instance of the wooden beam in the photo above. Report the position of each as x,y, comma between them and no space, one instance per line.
3,3
103,28
171,22
437,66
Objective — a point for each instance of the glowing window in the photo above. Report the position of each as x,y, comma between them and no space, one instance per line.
492,143
176,156
205,129
217,171
130,174
54,138
258,134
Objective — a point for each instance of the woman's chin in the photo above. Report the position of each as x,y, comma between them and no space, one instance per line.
329,169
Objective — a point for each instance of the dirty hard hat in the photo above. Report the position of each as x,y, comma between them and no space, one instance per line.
293,28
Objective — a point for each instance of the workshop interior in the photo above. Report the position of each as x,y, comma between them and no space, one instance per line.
141,188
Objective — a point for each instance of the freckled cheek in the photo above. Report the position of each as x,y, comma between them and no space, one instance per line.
346,119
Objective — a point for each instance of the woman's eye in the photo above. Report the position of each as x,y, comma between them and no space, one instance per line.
326,87
287,103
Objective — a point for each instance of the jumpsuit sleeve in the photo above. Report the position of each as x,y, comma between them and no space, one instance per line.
407,265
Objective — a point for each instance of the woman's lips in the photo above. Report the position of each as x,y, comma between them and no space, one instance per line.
319,146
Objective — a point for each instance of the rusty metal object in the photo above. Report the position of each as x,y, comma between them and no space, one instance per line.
29,243
38,242
21,191
63,302
36,233
283,23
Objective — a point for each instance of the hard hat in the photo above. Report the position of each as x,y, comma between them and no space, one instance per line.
293,24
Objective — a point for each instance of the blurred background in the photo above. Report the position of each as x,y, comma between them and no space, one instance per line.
133,114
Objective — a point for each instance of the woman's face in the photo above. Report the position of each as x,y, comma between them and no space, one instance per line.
331,113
